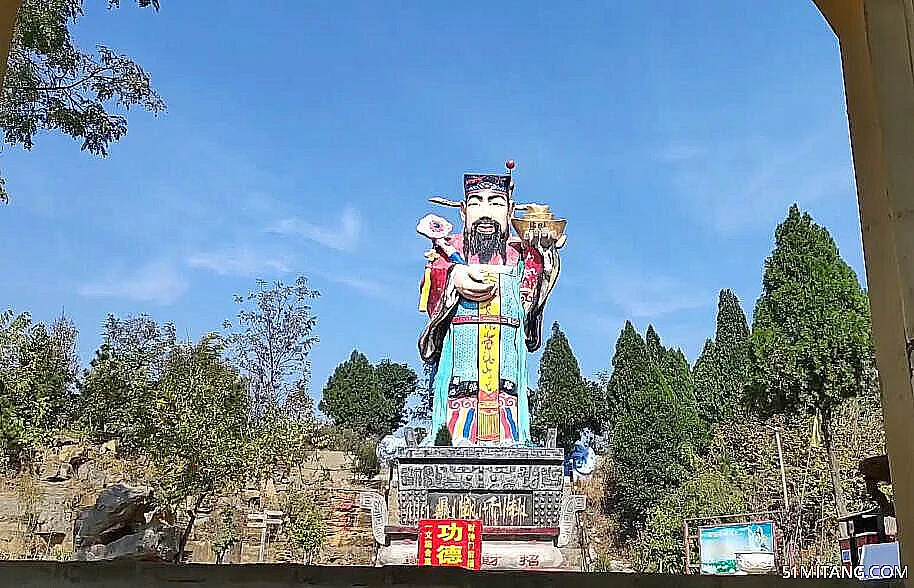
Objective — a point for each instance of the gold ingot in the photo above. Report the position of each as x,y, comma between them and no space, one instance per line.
538,217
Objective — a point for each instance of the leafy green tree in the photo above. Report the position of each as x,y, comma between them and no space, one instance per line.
117,393
199,442
566,401
397,382
270,342
37,378
307,527
286,440
53,85
810,346
710,492
368,399
423,399
224,529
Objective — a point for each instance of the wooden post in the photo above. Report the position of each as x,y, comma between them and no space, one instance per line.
879,84
688,546
263,543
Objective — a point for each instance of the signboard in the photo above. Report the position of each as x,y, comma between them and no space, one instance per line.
719,545
450,543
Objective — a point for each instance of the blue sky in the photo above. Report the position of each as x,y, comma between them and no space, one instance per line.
305,138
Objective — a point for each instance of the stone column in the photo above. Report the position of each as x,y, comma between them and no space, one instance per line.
879,82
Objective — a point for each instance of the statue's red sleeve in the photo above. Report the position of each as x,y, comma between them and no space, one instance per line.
533,269
433,283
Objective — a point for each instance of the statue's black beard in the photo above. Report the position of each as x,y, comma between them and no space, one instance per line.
486,246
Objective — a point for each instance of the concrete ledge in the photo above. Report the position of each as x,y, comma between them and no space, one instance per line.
31,574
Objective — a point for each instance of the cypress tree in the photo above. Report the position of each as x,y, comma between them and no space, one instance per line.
443,437
565,400
722,370
655,351
732,345
810,347
629,372
707,379
657,424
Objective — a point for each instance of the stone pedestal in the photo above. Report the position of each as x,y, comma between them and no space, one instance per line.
519,494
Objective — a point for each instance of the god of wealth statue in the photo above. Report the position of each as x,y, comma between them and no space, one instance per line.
485,291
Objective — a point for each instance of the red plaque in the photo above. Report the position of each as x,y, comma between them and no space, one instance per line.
450,542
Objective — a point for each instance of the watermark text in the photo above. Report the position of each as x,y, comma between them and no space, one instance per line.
859,572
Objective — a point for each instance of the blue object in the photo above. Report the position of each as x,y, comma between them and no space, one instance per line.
880,561
581,460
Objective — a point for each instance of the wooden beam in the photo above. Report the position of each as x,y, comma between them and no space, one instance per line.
839,14
879,86
9,9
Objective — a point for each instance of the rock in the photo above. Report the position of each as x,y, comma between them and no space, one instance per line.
109,446
117,528
268,495
117,511
54,514
66,455
151,544
92,475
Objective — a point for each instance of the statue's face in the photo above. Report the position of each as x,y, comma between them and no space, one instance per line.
488,211
486,215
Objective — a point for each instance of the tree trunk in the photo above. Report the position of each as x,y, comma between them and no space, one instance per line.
179,558
833,470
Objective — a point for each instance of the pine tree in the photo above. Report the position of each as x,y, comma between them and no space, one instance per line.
649,450
566,401
675,369
810,346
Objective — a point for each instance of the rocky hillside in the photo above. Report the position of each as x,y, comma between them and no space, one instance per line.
38,510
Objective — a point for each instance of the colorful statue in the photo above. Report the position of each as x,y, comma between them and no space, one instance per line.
485,292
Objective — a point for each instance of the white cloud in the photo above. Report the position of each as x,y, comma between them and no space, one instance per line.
157,282
392,290
243,262
343,237
748,183
368,287
642,296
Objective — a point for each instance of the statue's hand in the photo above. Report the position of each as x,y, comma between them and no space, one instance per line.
471,283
